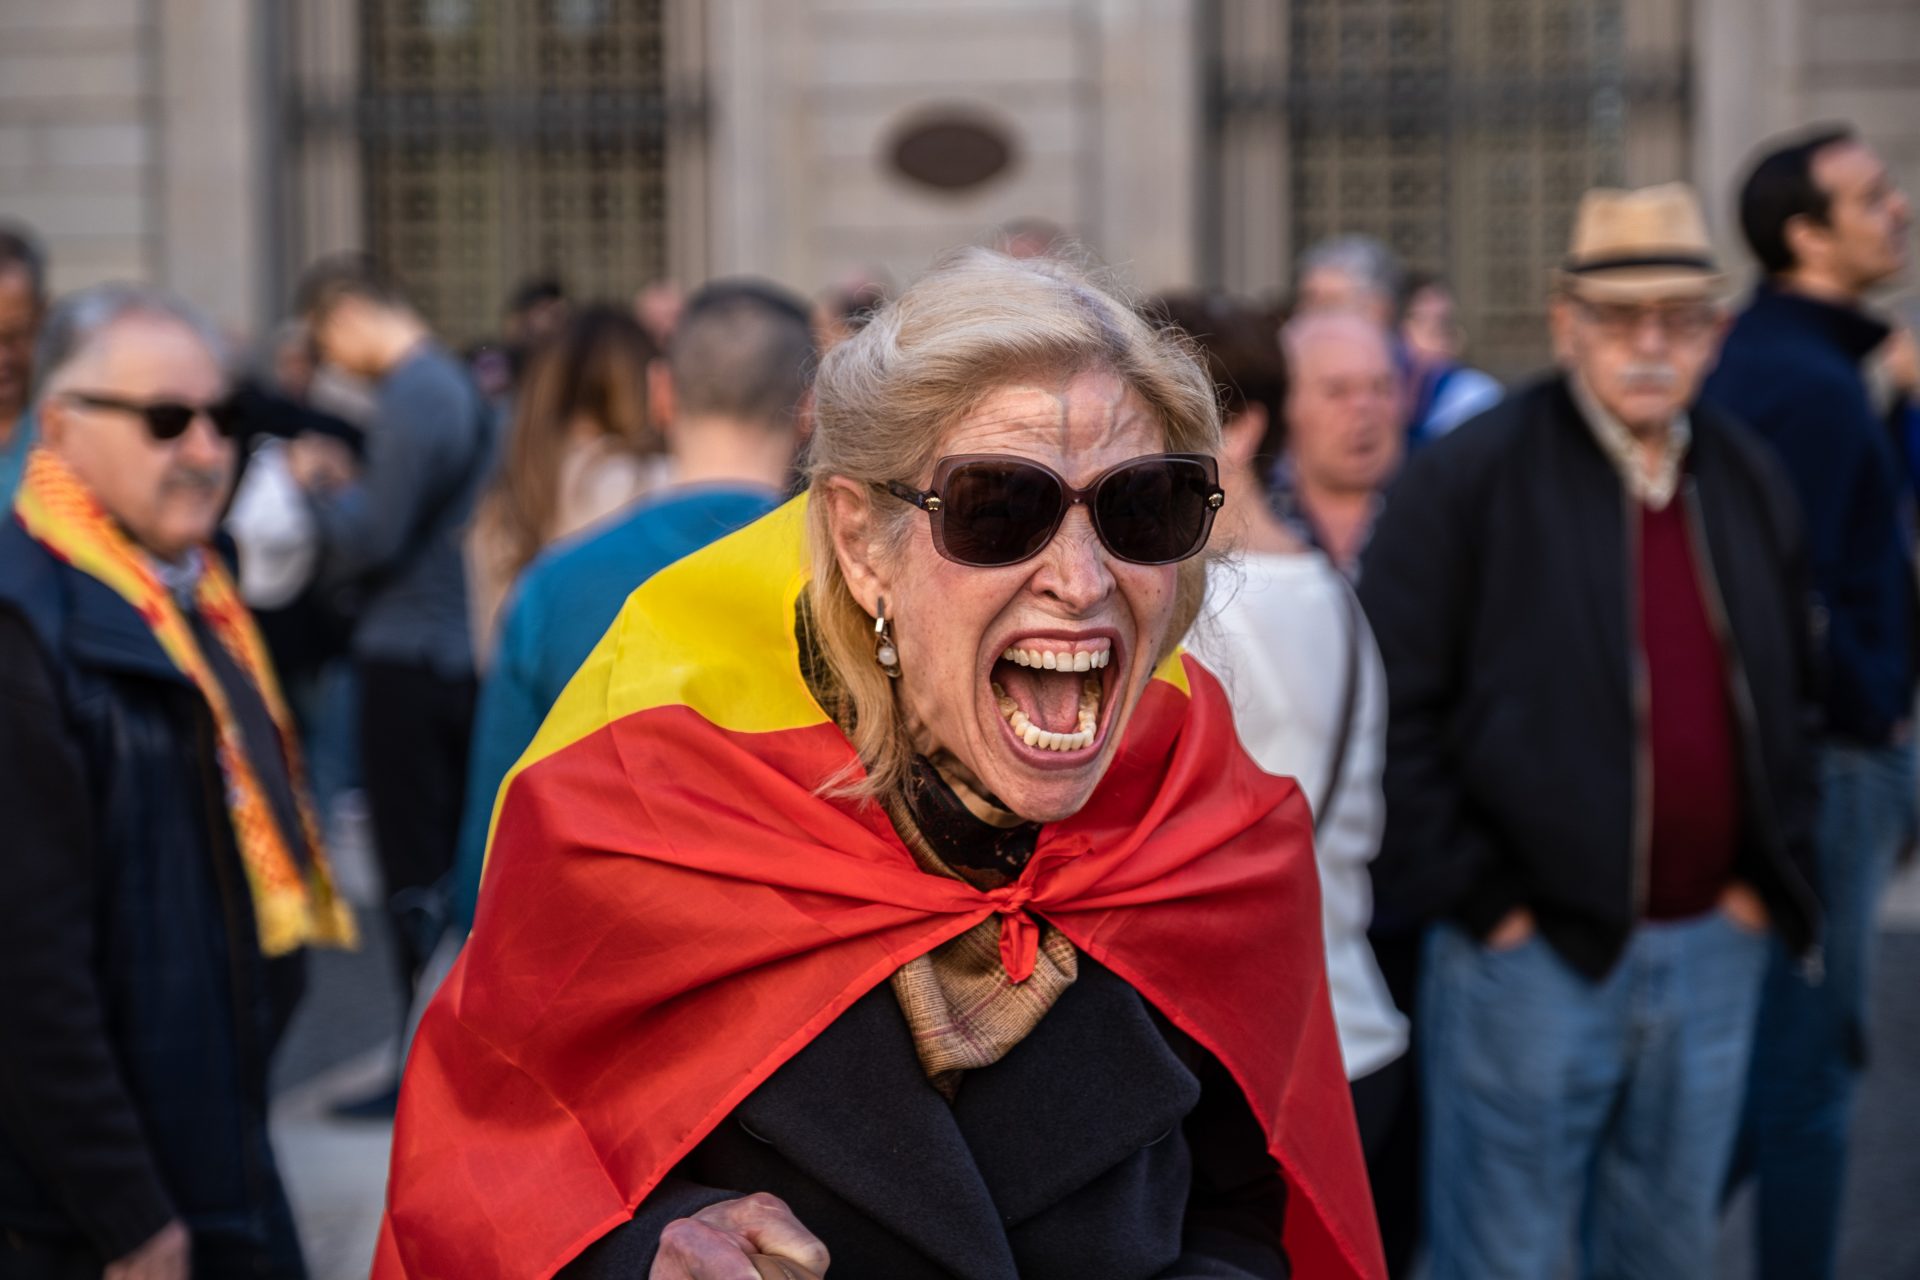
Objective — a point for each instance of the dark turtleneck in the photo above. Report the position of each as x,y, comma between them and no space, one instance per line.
962,839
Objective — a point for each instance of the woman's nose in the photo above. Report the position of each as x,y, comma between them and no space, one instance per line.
1075,569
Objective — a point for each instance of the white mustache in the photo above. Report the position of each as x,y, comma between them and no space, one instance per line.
1649,377
209,482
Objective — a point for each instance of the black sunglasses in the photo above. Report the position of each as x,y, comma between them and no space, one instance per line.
990,510
166,419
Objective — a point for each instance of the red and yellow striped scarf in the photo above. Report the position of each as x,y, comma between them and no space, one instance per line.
291,908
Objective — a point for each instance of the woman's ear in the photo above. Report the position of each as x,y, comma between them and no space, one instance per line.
851,519
1240,436
660,395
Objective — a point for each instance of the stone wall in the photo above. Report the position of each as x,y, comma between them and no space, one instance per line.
76,139
130,140
1099,99
137,136
1769,66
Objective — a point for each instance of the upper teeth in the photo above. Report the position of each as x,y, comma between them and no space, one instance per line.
1047,659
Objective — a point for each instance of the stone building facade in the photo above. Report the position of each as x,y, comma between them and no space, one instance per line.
132,139
218,144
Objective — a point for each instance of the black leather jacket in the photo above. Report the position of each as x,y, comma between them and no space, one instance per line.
137,1013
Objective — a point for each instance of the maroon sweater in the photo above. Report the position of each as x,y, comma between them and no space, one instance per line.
1690,730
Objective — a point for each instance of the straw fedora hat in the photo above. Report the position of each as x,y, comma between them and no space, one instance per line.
1640,246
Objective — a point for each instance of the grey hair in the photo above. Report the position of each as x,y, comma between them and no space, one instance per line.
78,320
1300,333
1362,257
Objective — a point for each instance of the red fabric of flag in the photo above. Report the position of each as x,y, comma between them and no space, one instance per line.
671,911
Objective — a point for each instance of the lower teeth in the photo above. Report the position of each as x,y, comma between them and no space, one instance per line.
1034,736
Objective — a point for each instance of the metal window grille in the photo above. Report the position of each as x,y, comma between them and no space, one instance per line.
1461,133
499,142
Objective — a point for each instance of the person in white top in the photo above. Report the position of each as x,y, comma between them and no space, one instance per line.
1283,631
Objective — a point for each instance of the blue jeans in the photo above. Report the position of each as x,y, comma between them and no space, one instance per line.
327,707
1564,1110
1811,1041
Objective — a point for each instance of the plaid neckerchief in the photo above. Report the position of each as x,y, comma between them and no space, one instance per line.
962,1009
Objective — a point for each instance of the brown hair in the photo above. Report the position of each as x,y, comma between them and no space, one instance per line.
594,370
1240,343
885,396
346,275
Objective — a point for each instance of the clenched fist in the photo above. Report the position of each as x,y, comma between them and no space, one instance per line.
721,1241
167,1256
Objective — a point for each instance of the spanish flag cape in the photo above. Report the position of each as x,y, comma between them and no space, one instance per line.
671,911
293,896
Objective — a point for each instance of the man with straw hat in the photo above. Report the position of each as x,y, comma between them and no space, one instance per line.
1590,601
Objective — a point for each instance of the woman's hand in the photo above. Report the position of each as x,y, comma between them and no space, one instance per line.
717,1242
164,1257
320,464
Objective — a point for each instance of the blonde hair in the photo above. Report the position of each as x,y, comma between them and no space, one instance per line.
884,397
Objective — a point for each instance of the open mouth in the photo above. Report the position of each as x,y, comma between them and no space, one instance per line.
1052,692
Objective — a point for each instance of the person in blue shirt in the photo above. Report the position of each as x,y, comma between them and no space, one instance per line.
739,365
1827,223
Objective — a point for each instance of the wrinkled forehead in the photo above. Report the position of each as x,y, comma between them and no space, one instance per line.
1076,423
1337,346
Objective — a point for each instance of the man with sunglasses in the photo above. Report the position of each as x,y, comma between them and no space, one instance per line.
1590,602
1827,223
162,869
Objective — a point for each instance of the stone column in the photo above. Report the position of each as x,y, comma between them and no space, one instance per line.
1747,85
210,178
1146,201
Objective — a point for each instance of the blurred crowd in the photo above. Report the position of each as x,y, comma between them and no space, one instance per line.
1601,687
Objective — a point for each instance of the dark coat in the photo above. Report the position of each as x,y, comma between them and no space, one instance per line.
139,1011
1104,1144
1790,370
1499,584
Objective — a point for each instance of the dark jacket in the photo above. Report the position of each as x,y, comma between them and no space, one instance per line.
1104,1144
1790,370
1500,584
139,1012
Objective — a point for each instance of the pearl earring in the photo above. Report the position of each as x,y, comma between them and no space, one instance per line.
884,652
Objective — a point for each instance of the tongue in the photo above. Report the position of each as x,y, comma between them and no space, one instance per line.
1051,699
